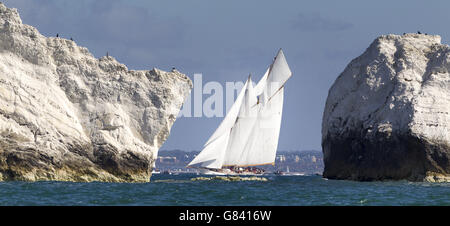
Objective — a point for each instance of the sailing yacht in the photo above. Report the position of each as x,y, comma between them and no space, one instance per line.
248,135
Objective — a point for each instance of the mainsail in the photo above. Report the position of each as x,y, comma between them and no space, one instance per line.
249,133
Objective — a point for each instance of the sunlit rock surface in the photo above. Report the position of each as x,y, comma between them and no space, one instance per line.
387,116
66,115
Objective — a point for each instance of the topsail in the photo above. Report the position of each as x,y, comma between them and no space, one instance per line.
248,135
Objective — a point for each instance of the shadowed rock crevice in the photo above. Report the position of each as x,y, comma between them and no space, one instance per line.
382,158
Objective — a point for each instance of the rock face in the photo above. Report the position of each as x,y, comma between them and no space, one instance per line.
67,116
387,116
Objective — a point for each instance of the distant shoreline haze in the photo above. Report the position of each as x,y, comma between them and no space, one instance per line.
305,161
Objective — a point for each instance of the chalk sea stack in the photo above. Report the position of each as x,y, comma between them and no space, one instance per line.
68,116
387,115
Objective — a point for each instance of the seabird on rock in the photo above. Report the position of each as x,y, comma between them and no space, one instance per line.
57,35
418,32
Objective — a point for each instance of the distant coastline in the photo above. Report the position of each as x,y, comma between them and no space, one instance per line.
305,161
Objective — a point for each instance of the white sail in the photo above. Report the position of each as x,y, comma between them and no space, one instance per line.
262,143
241,131
230,117
259,88
278,75
214,149
212,154
249,133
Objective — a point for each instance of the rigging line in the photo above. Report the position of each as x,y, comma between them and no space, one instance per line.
268,73
270,98
282,86
271,65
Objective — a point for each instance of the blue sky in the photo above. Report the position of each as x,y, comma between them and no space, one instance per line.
227,40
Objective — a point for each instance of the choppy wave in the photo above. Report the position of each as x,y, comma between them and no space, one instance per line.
181,190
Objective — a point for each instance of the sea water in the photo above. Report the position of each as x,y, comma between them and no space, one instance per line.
175,190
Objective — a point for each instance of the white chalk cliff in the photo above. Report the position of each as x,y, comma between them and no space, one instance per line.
66,115
387,115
